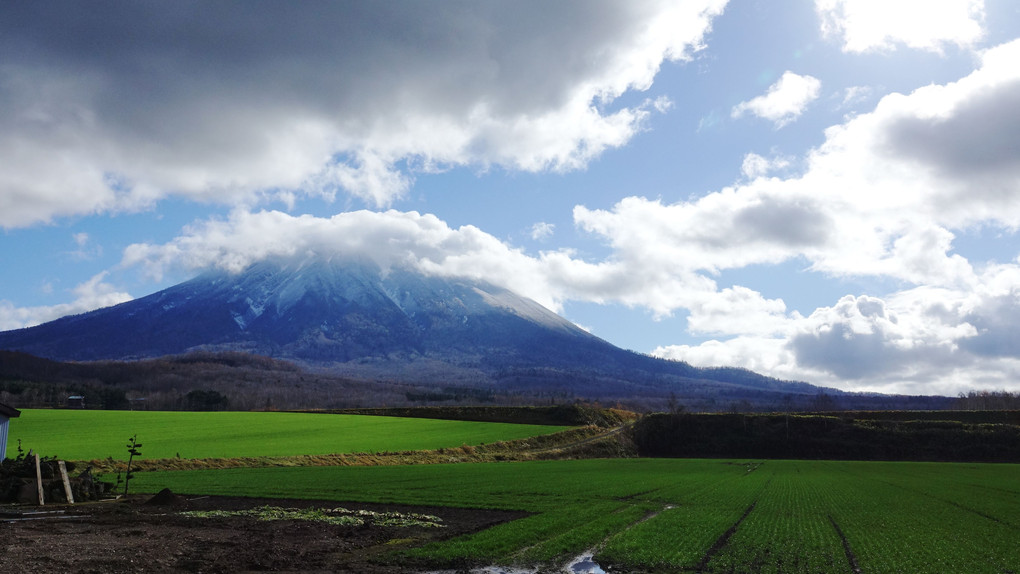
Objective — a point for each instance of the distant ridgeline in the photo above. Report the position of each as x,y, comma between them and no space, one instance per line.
964,436
243,381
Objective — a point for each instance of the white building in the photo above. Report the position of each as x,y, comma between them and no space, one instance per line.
6,413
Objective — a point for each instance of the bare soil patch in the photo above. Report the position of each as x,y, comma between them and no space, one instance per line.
132,536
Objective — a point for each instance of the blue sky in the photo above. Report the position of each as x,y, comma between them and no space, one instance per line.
823,191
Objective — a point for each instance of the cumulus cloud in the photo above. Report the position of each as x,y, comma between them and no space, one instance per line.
92,294
920,340
873,199
729,229
868,25
784,101
941,152
884,196
737,311
858,337
114,108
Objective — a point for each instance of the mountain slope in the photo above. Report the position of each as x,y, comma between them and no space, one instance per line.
358,320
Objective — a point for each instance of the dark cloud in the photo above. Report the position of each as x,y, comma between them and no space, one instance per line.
221,100
327,55
788,224
859,339
997,321
978,138
844,353
977,147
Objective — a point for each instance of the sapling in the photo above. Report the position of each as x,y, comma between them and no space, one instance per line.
132,446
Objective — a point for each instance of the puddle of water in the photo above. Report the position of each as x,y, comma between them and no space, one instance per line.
585,564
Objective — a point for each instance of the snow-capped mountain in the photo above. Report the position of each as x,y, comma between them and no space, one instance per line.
315,310
357,319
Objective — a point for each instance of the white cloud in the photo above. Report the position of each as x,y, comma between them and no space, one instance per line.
922,340
85,247
859,338
729,229
542,230
736,311
755,165
390,239
662,104
784,101
90,295
868,25
759,354
855,95
301,100
883,196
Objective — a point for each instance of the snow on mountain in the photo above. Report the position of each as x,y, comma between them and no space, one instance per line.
313,309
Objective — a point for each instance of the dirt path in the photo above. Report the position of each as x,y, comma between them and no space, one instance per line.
579,445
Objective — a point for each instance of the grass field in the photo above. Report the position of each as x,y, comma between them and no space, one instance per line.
87,434
686,515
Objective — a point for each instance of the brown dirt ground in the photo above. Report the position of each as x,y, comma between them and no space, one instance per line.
131,536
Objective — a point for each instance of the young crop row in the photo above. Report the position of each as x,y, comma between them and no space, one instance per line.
695,515
925,521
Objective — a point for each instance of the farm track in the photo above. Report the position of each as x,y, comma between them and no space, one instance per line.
575,443
850,556
579,444
721,542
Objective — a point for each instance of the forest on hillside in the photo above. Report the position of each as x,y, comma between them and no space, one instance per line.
243,381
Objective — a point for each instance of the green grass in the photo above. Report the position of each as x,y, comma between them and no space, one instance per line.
668,514
85,435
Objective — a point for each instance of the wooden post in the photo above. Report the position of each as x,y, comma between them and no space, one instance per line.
67,481
38,480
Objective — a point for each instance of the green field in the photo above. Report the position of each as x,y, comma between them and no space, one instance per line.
673,515
87,434
637,515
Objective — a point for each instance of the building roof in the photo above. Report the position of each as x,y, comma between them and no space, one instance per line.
9,412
